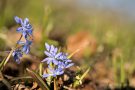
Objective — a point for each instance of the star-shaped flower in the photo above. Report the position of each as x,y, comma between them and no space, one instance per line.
25,46
26,28
52,53
57,61
17,54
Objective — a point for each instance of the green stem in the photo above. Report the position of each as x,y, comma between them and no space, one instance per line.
4,62
115,68
9,55
122,73
41,69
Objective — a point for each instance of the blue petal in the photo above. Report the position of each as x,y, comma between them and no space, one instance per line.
29,26
24,48
52,48
58,55
47,59
17,19
26,21
47,46
25,35
44,60
46,75
21,42
54,75
20,54
55,50
13,54
29,31
55,62
20,29
48,54
18,61
27,50
28,42
68,60
69,65
60,73
17,55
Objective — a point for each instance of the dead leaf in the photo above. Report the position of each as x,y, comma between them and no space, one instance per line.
83,41
34,85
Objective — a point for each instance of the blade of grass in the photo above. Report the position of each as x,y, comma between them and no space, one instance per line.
41,69
122,71
79,80
4,62
73,53
86,72
23,77
38,79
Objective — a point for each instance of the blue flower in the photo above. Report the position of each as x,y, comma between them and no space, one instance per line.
26,28
57,61
52,54
25,46
17,54
65,64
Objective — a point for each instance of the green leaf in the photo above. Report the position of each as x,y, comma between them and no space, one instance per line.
4,62
38,79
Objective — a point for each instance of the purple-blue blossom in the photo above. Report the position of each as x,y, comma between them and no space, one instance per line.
65,64
25,46
58,61
17,54
25,29
52,53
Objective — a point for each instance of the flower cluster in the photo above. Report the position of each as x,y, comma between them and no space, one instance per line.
26,32
57,61
26,28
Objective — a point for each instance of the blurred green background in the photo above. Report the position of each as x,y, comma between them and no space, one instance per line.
107,28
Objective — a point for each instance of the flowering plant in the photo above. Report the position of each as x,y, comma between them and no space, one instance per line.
57,61
26,32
